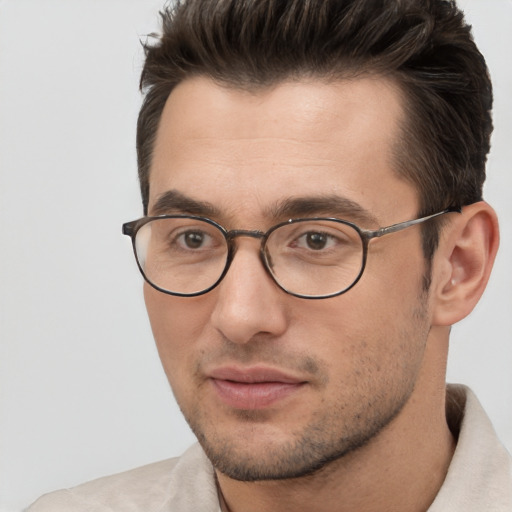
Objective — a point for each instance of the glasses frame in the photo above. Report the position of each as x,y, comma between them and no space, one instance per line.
131,228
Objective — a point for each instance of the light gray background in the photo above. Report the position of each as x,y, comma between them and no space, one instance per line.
82,393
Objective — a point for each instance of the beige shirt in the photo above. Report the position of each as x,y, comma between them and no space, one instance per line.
479,478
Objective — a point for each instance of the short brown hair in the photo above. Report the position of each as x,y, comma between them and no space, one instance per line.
425,46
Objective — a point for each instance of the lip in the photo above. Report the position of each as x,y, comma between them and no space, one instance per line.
254,387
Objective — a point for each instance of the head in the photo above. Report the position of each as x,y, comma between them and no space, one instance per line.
260,111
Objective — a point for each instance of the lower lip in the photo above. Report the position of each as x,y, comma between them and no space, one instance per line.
255,395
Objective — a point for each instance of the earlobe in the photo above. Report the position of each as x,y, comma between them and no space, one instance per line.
463,262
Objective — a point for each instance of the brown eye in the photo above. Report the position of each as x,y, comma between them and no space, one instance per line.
193,239
316,241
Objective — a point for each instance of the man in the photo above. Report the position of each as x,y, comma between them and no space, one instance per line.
311,175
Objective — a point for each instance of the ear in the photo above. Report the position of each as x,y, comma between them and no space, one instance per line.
463,262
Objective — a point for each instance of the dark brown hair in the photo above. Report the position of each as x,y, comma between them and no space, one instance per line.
425,46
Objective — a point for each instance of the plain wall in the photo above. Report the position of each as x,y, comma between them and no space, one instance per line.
82,393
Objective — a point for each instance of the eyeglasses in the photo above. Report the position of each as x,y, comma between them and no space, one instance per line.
313,258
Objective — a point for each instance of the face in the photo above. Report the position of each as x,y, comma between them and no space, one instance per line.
276,386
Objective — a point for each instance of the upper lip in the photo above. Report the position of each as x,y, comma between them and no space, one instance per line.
253,374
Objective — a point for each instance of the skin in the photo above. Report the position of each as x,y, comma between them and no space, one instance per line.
368,365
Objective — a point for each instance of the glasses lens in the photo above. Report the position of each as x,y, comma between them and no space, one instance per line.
315,258
181,255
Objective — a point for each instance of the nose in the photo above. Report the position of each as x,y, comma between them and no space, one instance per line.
248,302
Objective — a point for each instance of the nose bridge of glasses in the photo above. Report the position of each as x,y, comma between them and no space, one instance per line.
236,233
248,233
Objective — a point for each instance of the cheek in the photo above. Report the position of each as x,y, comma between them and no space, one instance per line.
177,324
376,328
340,334
372,353
394,271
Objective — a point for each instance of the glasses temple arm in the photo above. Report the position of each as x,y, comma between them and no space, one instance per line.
402,225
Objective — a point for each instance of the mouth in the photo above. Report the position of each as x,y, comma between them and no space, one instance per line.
253,388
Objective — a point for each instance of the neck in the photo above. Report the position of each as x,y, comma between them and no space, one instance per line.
399,470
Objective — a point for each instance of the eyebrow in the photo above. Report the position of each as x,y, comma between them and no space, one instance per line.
330,206
175,202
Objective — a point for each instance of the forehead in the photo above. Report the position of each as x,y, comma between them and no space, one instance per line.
249,149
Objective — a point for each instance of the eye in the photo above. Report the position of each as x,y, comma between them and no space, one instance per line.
315,241
194,240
